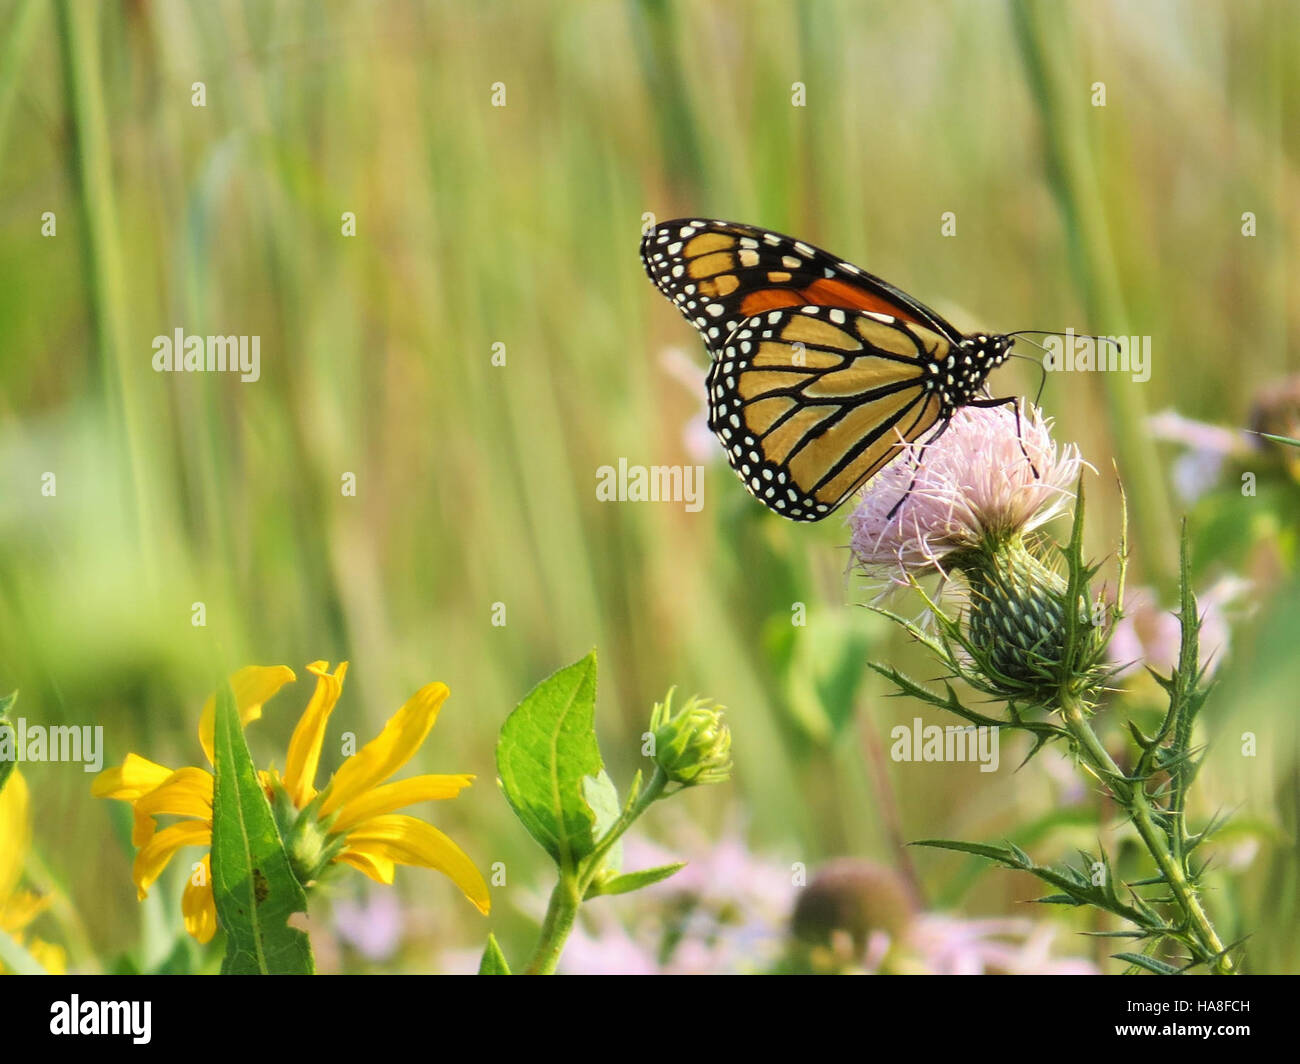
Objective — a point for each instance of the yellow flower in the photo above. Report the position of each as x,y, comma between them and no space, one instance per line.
351,821
18,908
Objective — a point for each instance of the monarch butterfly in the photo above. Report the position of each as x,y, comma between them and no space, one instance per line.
820,370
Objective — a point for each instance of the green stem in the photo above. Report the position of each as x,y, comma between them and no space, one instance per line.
562,910
1135,801
561,913
591,864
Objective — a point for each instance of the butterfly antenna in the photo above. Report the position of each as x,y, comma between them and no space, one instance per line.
1026,333
1050,332
1042,371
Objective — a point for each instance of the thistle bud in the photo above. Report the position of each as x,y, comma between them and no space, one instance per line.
1016,617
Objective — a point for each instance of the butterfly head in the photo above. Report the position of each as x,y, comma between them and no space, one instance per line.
960,376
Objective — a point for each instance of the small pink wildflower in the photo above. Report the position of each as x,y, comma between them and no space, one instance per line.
1148,635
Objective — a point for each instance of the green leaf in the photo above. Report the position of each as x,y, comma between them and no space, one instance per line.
602,797
631,881
1117,934
546,751
993,853
252,883
1059,899
1287,440
494,961
1140,960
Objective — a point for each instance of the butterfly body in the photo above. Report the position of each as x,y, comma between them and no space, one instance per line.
820,370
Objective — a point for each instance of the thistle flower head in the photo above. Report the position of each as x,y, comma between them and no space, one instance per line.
972,485
966,502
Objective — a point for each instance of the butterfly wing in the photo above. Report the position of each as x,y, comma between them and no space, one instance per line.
810,402
718,274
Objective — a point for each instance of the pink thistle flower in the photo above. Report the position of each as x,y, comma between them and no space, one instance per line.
970,486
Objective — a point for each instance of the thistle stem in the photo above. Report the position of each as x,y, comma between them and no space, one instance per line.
1135,801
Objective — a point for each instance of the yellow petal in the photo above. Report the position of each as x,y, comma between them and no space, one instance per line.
21,908
393,796
377,867
304,747
409,841
389,751
142,828
253,685
186,792
15,833
52,958
128,782
198,905
133,777
160,849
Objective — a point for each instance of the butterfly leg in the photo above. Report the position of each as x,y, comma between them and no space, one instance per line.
1014,403
916,465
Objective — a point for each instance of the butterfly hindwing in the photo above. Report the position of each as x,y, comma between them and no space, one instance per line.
719,273
809,402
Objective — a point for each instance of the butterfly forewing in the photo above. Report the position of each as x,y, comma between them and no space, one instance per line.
719,273
810,402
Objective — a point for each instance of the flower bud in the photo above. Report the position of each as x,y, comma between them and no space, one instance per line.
1016,619
1016,611
692,746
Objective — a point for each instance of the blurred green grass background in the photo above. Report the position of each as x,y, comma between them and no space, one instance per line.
519,225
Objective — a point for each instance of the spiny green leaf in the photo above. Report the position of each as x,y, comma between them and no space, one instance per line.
1141,960
1140,737
993,853
1211,958
547,749
1117,934
1060,899
254,888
